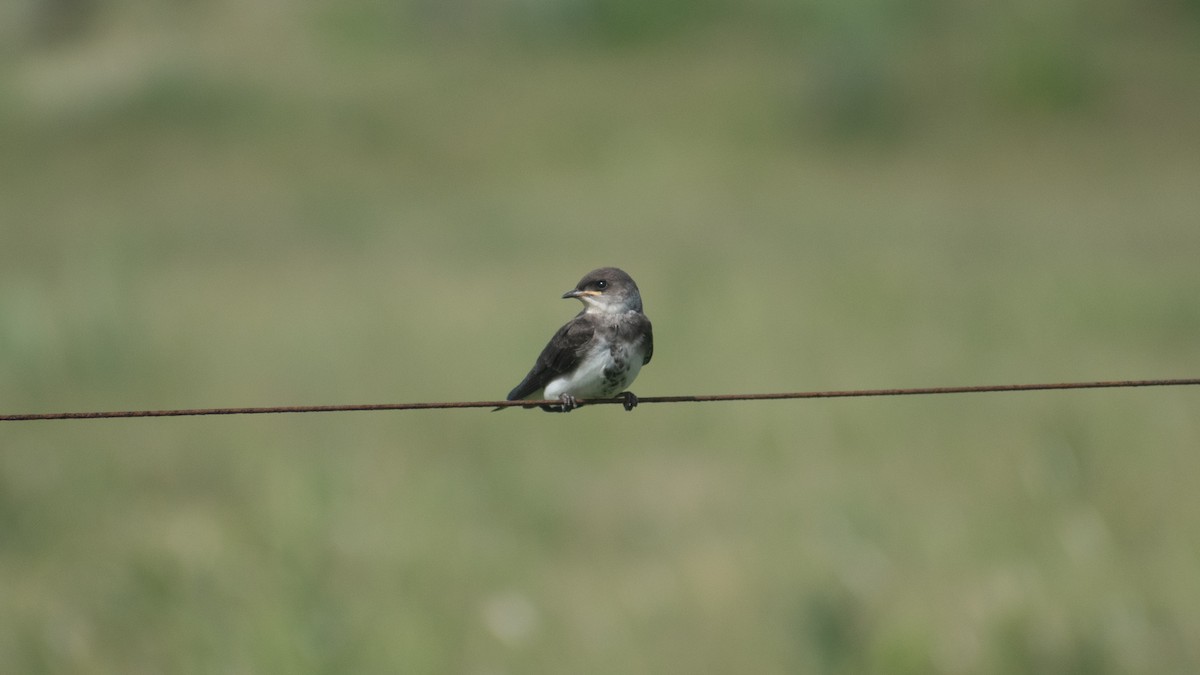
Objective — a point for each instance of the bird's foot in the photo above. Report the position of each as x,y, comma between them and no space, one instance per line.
568,403
630,400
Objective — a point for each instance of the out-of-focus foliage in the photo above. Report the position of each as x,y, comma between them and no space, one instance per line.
223,203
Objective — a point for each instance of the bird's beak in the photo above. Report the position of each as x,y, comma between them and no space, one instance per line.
576,293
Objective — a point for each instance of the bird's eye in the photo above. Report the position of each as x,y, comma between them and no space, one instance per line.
602,284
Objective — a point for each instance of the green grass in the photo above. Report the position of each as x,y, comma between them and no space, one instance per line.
247,208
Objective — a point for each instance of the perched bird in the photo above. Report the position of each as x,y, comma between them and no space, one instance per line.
598,353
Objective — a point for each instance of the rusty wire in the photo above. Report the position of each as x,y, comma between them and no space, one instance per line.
852,393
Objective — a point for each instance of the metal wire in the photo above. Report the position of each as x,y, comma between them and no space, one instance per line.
852,393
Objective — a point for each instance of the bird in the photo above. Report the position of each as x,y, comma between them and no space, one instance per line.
599,352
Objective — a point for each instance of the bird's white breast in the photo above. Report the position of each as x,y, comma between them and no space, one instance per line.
604,372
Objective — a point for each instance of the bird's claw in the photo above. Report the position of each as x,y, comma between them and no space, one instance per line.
630,400
567,401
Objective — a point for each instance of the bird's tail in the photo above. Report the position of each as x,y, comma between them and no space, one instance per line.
506,407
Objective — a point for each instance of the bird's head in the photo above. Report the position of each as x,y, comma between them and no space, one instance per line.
607,290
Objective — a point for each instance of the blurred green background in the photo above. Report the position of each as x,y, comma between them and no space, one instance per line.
219,203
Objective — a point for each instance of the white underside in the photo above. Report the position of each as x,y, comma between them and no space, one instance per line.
588,381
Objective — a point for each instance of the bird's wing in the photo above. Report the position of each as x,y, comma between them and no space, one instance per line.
561,355
649,341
